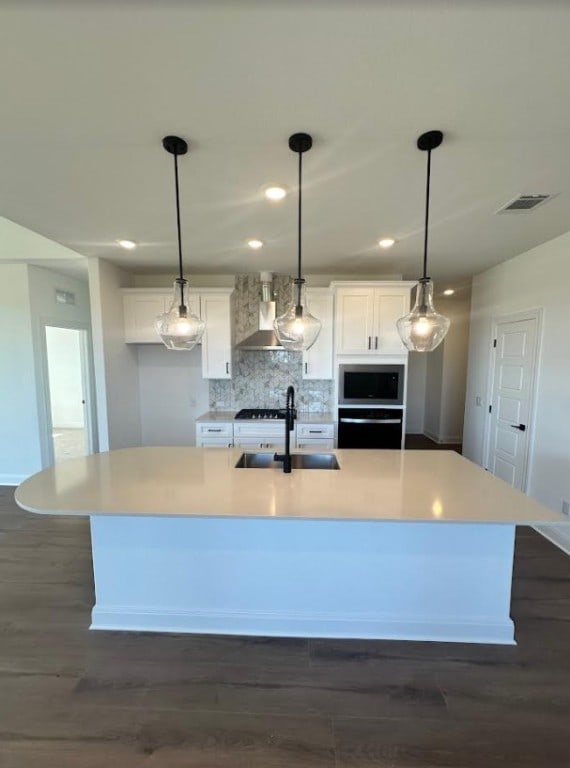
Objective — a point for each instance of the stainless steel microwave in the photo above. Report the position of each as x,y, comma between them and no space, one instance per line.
371,384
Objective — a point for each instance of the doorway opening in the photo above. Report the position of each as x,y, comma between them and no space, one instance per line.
70,421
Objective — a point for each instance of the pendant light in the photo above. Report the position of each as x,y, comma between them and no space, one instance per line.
179,327
296,328
423,329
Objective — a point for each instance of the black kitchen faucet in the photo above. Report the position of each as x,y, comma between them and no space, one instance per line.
290,416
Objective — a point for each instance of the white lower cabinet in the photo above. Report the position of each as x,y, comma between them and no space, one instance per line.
215,442
322,443
261,443
315,436
261,436
215,434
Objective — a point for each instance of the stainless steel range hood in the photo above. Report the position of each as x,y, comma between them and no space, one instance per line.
264,338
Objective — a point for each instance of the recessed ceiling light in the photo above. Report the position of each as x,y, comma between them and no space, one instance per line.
448,292
386,242
255,243
275,193
128,245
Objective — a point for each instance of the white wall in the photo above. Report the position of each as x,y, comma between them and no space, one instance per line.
447,372
20,452
172,393
116,369
27,301
434,379
416,396
537,278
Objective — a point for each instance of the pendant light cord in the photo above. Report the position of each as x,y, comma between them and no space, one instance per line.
425,277
299,229
178,227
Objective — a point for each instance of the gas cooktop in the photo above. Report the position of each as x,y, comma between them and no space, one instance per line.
261,413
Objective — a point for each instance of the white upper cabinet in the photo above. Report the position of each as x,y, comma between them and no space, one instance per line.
143,305
317,361
141,308
216,342
366,315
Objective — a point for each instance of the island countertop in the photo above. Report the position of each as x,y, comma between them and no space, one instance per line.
414,486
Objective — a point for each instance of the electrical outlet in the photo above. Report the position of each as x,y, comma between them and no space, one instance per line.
566,507
478,401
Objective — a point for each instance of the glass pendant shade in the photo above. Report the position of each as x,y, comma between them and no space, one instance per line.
296,328
423,329
179,328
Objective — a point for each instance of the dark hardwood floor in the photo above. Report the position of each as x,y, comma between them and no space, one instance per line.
424,443
70,698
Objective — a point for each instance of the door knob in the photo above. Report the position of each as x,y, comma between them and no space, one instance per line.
522,427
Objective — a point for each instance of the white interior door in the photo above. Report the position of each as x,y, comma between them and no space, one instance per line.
511,405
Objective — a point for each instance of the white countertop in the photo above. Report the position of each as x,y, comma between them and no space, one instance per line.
303,417
433,486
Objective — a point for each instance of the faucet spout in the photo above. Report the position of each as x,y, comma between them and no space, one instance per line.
290,416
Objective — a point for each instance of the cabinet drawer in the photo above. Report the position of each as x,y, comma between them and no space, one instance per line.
260,443
321,443
215,442
261,431
213,429
315,430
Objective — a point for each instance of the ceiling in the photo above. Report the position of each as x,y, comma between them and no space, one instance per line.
88,89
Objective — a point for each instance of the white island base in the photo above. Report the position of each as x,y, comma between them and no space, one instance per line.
306,578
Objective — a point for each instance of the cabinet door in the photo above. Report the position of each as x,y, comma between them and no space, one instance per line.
140,313
354,321
388,308
216,342
317,361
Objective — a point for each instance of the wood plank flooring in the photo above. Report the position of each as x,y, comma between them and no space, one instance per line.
70,698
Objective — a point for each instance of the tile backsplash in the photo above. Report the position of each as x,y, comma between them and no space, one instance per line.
260,378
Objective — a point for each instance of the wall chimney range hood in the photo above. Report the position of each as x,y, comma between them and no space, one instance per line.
264,338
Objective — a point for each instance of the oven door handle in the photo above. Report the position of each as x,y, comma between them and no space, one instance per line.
371,421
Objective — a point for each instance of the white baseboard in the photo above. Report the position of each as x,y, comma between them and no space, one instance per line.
264,624
12,479
451,439
557,534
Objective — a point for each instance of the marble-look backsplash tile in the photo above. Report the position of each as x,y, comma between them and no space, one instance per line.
260,378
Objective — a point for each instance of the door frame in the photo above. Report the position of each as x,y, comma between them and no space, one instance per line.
88,381
529,314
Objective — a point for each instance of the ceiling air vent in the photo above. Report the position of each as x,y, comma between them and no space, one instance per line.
524,203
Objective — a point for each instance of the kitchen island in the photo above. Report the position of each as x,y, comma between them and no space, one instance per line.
396,544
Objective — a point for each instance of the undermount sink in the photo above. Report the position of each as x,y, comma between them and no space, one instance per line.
298,461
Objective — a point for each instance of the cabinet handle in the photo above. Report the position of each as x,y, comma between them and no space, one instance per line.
370,342
227,367
305,367
315,431
376,342
214,430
